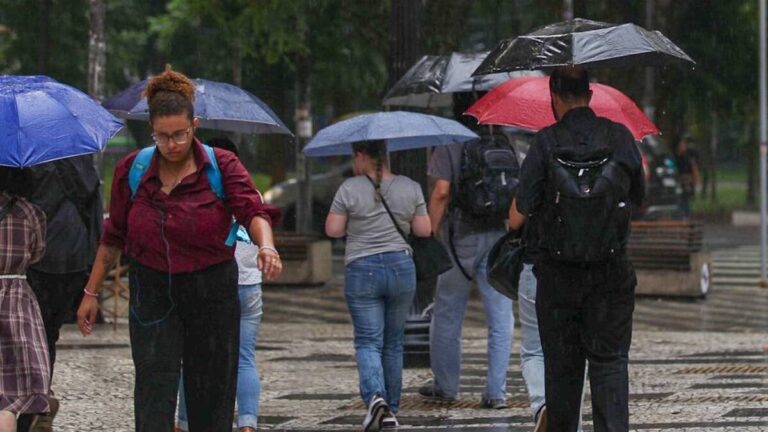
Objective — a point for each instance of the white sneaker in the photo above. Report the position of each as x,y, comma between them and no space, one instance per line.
389,422
377,409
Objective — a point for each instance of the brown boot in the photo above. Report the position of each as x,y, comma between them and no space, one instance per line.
44,422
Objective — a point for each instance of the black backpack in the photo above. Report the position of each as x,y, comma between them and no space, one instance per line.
488,179
587,211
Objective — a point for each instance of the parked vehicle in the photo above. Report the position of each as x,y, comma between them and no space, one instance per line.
323,188
662,188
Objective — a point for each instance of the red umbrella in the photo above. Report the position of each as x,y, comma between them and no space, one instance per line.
525,103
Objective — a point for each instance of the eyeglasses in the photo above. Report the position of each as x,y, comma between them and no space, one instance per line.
179,137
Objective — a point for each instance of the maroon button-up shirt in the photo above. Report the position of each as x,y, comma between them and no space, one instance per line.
185,230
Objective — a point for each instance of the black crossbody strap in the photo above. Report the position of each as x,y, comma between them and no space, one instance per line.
453,210
389,212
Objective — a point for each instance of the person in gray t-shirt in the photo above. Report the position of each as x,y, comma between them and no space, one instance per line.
380,277
469,244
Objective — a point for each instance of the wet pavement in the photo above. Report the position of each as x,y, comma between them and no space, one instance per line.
696,365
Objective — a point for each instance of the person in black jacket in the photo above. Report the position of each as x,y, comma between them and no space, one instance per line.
68,191
585,297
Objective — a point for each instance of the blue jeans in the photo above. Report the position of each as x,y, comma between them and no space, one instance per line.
531,353
248,382
451,299
379,290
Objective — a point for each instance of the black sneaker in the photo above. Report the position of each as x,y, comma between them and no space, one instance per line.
433,393
377,410
493,403
389,422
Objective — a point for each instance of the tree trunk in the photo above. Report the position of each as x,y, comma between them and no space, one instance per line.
405,47
753,156
405,38
43,48
237,63
97,50
713,143
649,91
567,10
303,134
97,62
440,16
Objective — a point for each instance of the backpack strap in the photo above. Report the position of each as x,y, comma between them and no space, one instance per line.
144,159
242,235
217,185
213,173
139,167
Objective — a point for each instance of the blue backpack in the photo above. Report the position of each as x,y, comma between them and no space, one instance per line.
144,158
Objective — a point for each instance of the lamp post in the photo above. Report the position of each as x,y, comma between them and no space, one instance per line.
763,146
567,10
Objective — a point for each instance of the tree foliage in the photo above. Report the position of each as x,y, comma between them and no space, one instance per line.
345,44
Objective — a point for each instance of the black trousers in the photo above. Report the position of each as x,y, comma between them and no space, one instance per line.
58,296
585,312
194,317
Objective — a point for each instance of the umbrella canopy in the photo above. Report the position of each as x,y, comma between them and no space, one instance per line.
431,82
526,103
42,120
218,105
585,43
402,131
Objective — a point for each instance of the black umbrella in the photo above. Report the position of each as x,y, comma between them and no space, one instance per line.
431,81
585,43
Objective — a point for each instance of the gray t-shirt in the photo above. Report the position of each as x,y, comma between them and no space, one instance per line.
445,164
369,228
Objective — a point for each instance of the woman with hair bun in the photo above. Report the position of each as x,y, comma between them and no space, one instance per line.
166,216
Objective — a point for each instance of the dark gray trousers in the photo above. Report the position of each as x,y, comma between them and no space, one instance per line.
585,313
194,318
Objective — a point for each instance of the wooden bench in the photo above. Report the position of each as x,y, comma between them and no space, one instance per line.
669,258
114,294
306,260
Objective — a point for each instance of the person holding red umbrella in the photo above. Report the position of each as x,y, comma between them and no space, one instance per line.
576,185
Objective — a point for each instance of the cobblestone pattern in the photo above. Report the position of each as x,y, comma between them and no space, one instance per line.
310,383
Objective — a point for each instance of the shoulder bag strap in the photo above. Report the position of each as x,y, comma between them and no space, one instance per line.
389,212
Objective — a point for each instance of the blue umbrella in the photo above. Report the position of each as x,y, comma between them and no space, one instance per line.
42,120
218,105
402,130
